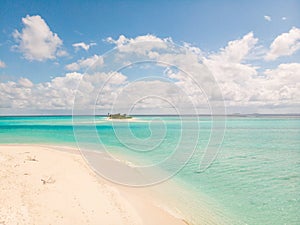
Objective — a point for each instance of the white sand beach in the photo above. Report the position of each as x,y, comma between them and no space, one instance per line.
130,120
42,185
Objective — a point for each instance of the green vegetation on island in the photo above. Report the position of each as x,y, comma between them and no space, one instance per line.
118,116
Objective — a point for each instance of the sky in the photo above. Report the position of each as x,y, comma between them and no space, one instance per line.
250,48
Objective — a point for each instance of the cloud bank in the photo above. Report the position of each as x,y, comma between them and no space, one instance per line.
245,87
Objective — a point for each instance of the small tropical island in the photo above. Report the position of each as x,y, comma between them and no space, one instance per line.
118,116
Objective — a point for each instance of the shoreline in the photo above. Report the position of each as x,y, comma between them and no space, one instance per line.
129,120
44,184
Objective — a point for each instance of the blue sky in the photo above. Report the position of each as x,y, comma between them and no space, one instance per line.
207,25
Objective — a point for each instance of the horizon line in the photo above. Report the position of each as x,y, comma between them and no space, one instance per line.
230,114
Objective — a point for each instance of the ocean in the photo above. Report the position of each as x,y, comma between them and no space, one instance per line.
255,178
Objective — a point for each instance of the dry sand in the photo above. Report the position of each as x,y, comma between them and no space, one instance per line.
41,185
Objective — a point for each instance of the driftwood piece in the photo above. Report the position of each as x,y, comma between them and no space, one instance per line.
50,180
30,158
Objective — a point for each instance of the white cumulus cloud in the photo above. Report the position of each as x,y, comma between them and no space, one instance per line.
268,18
139,44
285,44
237,50
24,82
94,61
83,45
230,70
36,41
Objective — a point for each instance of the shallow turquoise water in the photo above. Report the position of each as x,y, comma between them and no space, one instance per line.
255,179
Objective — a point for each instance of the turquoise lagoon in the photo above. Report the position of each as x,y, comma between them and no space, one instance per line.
254,180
